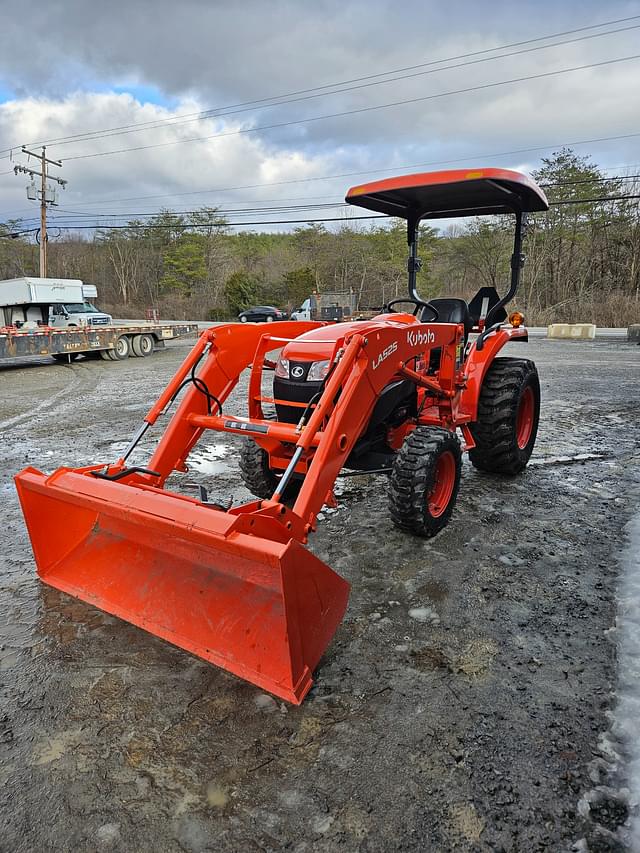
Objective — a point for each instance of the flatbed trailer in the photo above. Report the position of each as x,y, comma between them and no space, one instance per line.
112,343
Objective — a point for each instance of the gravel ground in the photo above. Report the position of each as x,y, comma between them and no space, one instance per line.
461,705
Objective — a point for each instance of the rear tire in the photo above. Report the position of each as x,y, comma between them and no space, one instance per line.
424,481
105,355
508,415
142,346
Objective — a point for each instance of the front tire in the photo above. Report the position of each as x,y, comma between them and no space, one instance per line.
254,467
424,481
508,415
257,476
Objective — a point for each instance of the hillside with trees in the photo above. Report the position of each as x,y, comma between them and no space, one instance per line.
583,257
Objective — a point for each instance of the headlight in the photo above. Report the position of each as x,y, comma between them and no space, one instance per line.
318,371
282,368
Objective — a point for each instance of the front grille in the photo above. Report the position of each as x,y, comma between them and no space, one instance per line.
99,321
298,392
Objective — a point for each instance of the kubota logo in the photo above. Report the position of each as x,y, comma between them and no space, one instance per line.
415,339
297,372
386,352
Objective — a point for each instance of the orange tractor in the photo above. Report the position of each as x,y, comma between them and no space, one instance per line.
404,393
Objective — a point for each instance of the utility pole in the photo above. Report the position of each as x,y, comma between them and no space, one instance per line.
47,196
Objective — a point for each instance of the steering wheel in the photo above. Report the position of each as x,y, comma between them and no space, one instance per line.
418,303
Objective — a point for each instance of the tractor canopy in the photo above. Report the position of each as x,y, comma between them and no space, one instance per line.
455,192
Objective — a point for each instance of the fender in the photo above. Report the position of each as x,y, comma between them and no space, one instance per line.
479,361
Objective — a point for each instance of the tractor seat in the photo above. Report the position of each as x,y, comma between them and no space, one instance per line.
450,310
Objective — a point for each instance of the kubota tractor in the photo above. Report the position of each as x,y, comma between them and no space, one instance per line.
394,395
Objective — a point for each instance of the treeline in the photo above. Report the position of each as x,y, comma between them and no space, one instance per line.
583,257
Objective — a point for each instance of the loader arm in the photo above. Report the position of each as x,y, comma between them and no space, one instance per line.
371,362
365,365
225,352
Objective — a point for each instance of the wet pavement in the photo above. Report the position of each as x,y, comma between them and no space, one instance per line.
463,704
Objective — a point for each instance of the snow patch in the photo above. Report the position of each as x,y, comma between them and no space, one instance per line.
613,804
424,614
626,725
264,702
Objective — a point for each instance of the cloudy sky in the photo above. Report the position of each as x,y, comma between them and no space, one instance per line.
298,93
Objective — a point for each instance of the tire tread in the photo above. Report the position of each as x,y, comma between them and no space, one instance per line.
412,478
496,449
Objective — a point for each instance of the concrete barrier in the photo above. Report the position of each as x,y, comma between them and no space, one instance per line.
573,331
633,333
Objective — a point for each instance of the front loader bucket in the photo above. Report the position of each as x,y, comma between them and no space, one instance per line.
264,610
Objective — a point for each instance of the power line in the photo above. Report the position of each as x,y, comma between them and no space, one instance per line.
183,227
209,112
594,200
218,211
121,215
359,110
466,159
251,211
303,95
346,220
63,214
590,181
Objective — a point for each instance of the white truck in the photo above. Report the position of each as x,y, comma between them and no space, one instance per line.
58,302
327,306
51,316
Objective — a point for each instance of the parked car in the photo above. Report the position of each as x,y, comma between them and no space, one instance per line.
261,314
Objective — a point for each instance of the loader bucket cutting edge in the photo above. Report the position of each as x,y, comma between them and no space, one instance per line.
261,609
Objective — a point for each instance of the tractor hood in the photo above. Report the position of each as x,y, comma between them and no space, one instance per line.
320,343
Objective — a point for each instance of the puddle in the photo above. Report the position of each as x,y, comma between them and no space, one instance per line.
212,459
54,748
568,460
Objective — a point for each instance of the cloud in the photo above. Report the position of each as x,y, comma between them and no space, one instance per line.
92,66
93,183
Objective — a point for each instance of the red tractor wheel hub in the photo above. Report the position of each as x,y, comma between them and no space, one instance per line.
444,483
524,419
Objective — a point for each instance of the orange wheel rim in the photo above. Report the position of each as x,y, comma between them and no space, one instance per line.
445,479
524,419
